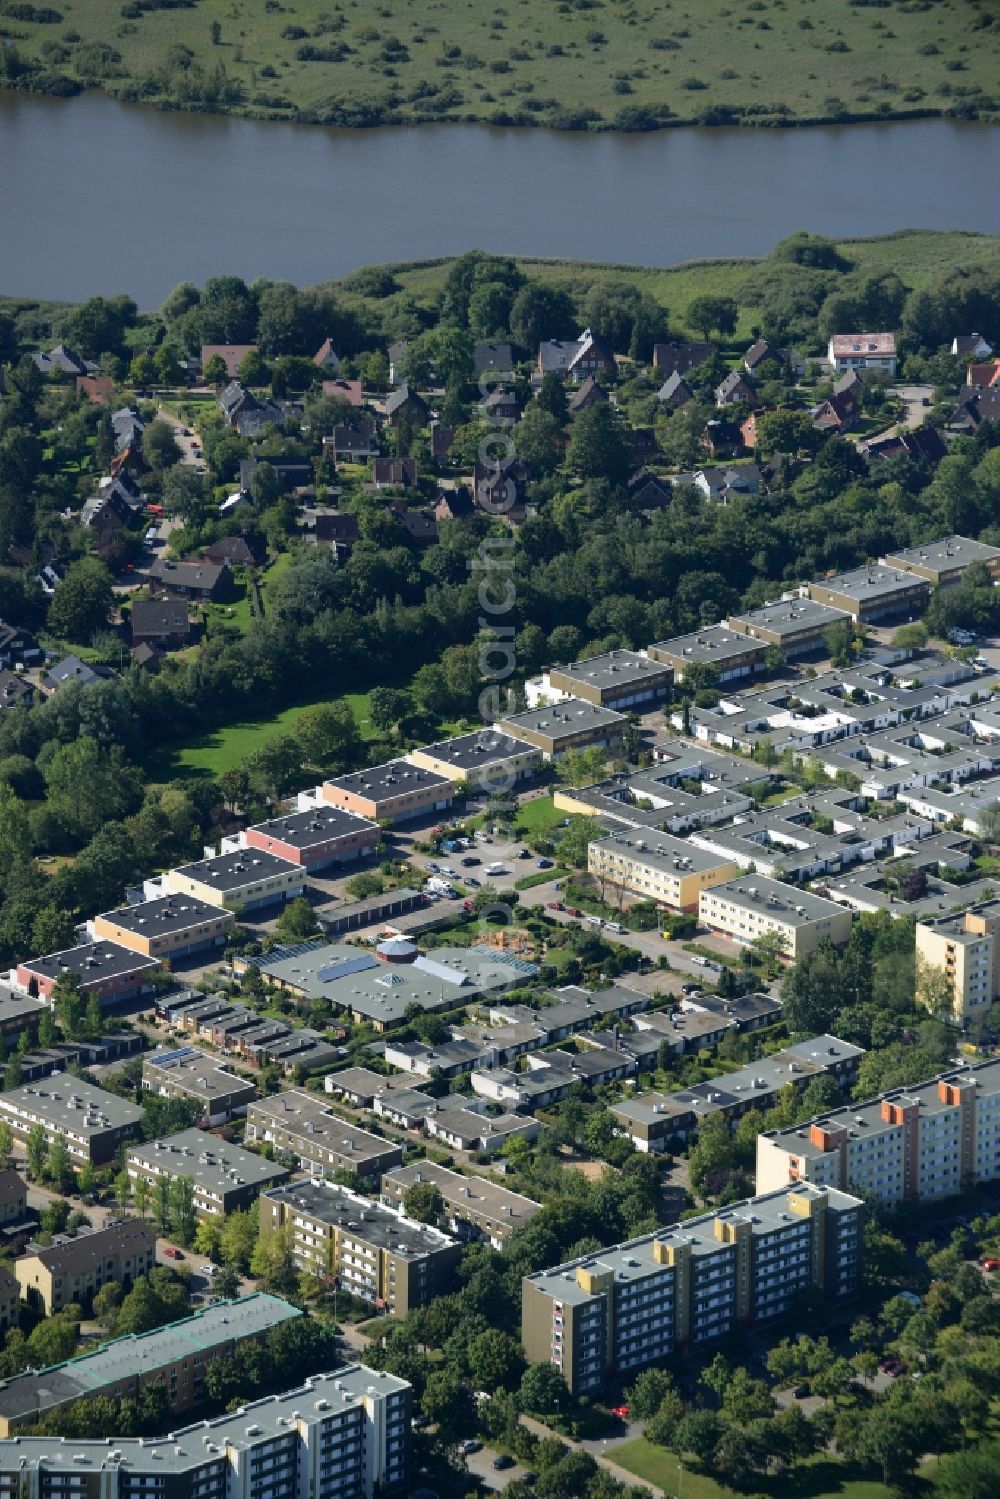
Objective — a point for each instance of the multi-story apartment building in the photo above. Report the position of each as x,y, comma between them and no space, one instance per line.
10,1300
173,1357
171,926
305,1125
474,1207
754,906
729,653
74,1269
610,1312
620,679
487,758
944,562
873,593
317,837
225,1177
658,867
966,950
187,1072
105,969
245,879
393,792
571,724
342,1435
377,1255
923,1142
90,1122
796,625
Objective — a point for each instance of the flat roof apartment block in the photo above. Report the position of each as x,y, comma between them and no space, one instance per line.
323,1142
657,866
732,653
173,1357
613,1311
924,1142
570,724
225,1177
378,1255
753,906
874,593
112,972
795,625
489,758
394,792
171,926
944,562
965,949
317,837
476,1207
75,1269
619,679
91,1122
241,880
186,1072
341,1435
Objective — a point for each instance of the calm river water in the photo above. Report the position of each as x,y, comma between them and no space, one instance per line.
97,196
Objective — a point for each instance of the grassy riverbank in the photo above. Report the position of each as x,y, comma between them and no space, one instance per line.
578,64
915,255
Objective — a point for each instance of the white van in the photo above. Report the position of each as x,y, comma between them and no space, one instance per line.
615,926
496,869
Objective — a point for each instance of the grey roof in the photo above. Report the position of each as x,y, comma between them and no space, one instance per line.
198,1073
233,871
141,1355
661,851
395,778
302,830
566,719
485,747
715,645
186,1450
92,962
788,617
875,582
785,903
168,914
338,1207
200,575
946,555
622,669
633,1260
309,1116
464,1194
215,1165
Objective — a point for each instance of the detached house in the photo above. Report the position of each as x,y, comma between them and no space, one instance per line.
679,358
326,358
63,361
589,393
352,444
970,346
494,357
863,351
189,580
575,359
394,473
160,622
232,355
734,389
405,404
675,391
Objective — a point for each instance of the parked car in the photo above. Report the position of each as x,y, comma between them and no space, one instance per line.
991,1265
524,853
894,1367
470,1445
529,1476
556,905
470,862
544,864
800,1391
574,911
172,1253
621,1411
502,1461
471,880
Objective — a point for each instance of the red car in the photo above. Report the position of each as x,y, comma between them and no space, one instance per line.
621,1411
574,911
991,1265
894,1367
172,1253
556,905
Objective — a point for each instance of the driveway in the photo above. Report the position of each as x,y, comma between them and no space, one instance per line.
185,438
917,400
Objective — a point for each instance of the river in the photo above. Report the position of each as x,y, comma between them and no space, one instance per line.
97,196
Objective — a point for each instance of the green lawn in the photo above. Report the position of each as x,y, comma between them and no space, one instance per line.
819,1478
533,64
540,815
217,750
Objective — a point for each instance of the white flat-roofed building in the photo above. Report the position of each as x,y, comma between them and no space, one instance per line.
657,866
340,1435
752,906
927,1141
